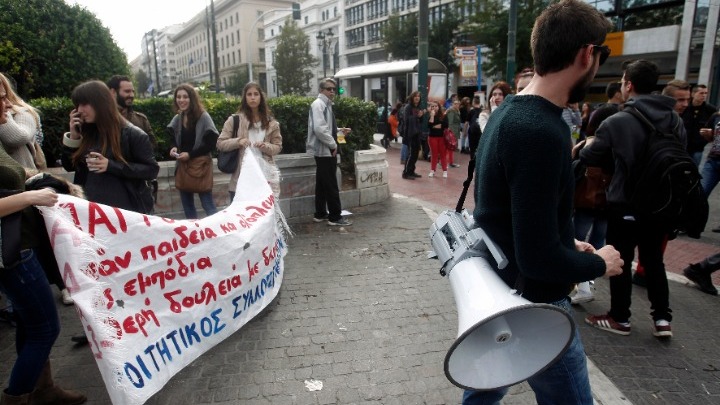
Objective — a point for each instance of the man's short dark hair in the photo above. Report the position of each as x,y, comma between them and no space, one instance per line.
643,74
562,30
698,87
674,85
612,89
114,82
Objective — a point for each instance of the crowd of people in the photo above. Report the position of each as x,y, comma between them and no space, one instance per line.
531,148
111,149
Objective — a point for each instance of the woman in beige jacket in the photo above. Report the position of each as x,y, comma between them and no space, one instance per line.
258,134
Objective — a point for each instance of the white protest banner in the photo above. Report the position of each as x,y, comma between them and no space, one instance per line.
154,293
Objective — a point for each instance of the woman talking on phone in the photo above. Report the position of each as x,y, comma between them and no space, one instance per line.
112,158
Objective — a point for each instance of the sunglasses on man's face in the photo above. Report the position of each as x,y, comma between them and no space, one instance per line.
604,52
330,88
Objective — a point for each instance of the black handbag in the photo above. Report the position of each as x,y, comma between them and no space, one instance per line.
10,226
228,161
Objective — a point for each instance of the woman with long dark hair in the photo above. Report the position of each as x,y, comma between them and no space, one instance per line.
436,139
112,159
258,134
194,136
412,129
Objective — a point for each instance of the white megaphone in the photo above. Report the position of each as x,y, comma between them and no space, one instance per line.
503,339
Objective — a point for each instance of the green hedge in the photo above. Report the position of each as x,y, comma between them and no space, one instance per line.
290,111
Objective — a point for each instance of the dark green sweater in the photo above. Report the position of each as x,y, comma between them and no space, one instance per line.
12,177
524,192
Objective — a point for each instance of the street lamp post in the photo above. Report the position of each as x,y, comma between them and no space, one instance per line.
324,42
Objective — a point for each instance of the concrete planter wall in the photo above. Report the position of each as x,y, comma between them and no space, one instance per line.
297,184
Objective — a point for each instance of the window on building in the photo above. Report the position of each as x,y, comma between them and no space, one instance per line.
234,63
306,20
262,54
261,34
239,56
272,32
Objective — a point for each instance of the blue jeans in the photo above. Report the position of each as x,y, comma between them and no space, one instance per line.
404,152
565,382
590,227
38,324
697,157
710,174
188,203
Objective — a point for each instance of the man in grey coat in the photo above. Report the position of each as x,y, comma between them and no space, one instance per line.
322,140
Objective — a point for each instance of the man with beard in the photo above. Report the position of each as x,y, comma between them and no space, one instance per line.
619,144
123,90
524,187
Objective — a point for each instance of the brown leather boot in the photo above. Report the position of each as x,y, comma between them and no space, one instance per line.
47,393
6,399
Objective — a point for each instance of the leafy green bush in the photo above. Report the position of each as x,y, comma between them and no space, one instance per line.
290,111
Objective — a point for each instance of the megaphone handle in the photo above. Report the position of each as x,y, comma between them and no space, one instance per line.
484,242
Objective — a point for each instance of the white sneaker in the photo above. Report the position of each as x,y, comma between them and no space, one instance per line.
66,298
431,174
582,296
445,174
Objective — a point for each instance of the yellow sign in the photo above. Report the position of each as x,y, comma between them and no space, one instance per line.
615,41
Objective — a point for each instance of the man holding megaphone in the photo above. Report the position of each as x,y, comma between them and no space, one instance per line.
524,188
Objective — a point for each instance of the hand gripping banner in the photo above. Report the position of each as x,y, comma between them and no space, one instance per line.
155,293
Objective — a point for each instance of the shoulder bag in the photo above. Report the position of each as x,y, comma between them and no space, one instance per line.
450,140
228,161
195,175
590,189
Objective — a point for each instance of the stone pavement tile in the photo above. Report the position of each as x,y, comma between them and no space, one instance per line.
361,309
681,370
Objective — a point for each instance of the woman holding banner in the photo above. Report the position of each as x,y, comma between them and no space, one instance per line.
258,133
23,280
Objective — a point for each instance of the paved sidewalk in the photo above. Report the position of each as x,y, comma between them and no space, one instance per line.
363,311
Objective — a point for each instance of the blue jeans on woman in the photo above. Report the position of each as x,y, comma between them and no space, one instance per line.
38,324
590,227
565,382
188,203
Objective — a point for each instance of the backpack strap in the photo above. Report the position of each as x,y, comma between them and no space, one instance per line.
646,122
236,125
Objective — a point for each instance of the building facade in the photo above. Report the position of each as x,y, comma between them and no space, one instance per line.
321,21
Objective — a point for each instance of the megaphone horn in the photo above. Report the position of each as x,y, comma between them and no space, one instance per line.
503,339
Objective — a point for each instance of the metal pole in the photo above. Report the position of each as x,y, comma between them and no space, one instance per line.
324,57
157,73
423,22
214,40
512,30
209,48
149,65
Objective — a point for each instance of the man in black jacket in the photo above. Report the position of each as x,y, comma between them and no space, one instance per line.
618,145
695,117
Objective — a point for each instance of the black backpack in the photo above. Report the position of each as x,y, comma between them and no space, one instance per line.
401,122
664,184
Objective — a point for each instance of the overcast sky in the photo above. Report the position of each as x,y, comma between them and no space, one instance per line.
129,20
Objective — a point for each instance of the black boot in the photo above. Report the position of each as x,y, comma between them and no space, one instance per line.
701,277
